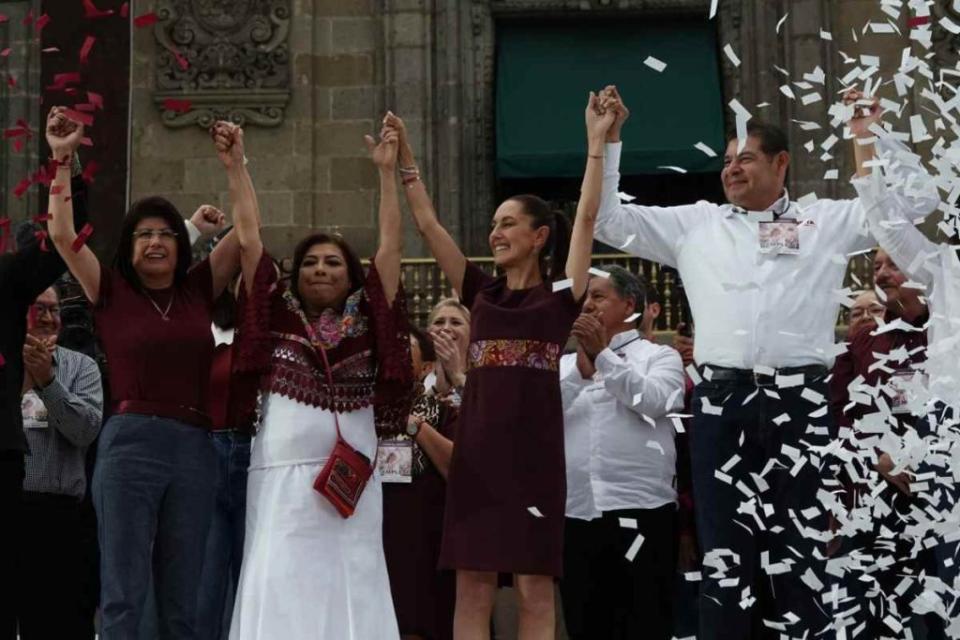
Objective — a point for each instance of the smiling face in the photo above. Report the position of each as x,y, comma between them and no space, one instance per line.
43,320
323,280
888,277
513,239
154,248
450,321
604,302
864,312
752,179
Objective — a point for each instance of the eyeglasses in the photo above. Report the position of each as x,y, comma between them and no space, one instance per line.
150,234
40,308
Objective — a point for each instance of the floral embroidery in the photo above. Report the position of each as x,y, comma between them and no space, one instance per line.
332,327
514,353
296,374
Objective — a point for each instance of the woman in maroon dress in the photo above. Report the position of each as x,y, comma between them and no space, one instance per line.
506,490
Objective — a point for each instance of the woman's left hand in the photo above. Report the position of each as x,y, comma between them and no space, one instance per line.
599,119
384,153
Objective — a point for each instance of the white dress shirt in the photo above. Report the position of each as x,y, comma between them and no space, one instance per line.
617,459
752,308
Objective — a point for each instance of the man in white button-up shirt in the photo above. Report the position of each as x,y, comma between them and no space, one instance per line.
621,534
762,275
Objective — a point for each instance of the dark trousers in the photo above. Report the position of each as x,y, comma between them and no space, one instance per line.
607,596
53,574
731,539
221,565
153,489
11,488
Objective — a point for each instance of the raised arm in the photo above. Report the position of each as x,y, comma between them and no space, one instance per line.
448,255
649,232
581,241
64,137
242,246
390,248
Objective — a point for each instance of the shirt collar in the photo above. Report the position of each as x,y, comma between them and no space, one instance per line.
781,207
622,338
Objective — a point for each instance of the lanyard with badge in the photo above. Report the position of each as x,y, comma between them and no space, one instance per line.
399,459
779,236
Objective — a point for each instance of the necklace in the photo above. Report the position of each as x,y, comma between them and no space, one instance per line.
165,312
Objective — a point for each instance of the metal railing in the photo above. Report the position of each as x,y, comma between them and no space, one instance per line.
425,284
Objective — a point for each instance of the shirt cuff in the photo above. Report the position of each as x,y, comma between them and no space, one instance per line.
192,232
606,360
611,156
53,392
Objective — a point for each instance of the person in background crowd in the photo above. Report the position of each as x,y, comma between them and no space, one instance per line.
24,275
506,493
332,354
650,312
153,485
621,467
62,407
423,596
763,310
864,312
231,435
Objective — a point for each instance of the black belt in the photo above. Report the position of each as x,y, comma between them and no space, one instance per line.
750,377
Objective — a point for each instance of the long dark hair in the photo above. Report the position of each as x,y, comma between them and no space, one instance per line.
152,207
553,256
354,266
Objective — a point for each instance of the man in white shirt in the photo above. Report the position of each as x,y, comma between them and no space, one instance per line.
620,547
761,275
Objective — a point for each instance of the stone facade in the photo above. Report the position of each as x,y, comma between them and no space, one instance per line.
432,62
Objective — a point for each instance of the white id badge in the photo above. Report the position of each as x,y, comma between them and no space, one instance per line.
395,460
898,385
780,237
34,411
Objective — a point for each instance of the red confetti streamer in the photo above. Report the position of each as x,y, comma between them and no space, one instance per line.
91,11
86,142
181,61
90,170
2,361
11,81
21,187
4,234
82,237
18,145
15,132
42,21
917,21
84,106
145,20
77,116
125,10
85,49
95,99
61,80
177,106
40,218
5,52
3,18
55,189
27,19
41,235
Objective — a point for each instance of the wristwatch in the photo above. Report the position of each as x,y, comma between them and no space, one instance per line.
413,426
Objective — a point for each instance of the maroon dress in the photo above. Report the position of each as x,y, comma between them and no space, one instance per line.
506,492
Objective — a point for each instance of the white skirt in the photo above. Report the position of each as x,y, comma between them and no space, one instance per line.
308,573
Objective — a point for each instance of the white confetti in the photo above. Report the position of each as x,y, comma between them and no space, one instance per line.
535,512
628,523
560,285
626,197
705,149
634,548
731,55
598,272
781,21
656,65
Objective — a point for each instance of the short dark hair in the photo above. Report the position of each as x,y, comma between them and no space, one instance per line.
772,138
354,266
628,286
427,352
152,207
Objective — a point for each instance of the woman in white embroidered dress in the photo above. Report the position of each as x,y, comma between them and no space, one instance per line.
308,572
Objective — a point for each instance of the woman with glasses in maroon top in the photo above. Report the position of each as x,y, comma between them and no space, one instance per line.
154,483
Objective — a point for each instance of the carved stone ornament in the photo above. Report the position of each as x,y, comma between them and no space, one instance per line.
222,60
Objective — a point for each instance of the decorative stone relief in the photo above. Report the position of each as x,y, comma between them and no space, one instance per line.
222,60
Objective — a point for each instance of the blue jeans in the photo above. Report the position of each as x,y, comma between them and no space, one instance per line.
221,566
153,490
714,440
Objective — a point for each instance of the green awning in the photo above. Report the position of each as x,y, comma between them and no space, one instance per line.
544,73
